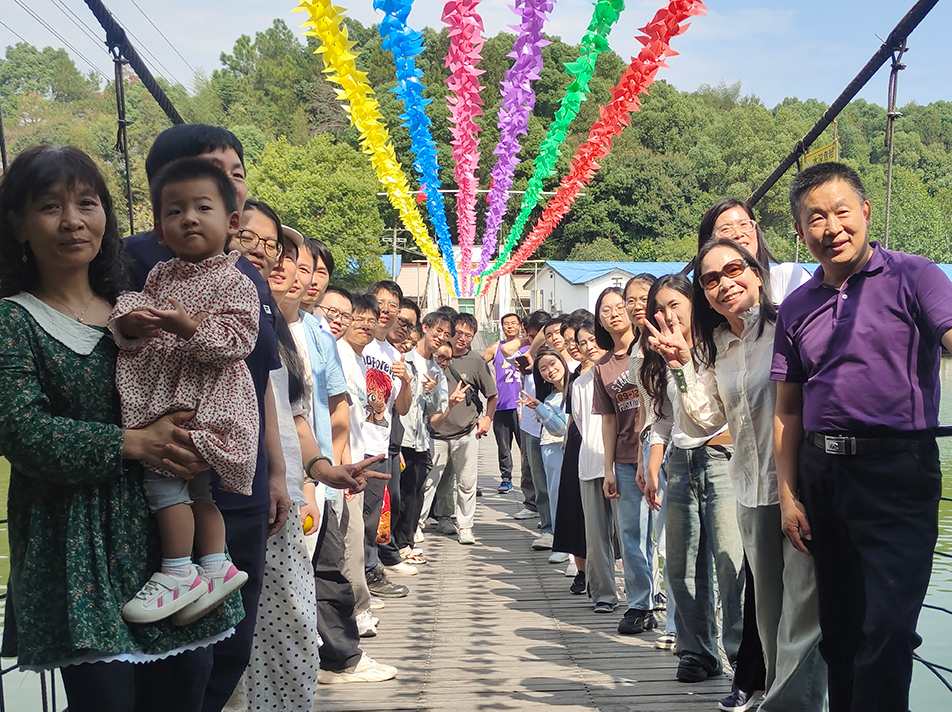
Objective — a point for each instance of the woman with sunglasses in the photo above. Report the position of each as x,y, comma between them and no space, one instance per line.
734,323
701,534
733,219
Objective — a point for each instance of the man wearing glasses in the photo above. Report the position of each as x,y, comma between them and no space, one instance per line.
387,390
337,310
455,433
323,271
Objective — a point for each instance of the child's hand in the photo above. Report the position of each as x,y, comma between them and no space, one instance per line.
138,324
177,321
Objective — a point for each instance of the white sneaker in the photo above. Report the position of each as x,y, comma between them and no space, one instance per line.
418,537
376,603
572,569
525,513
221,584
403,569
163,596
446,526
367,670
667,641
466,536
558,557
543,542
366,627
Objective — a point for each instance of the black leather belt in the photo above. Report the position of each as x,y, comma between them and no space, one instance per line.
850,445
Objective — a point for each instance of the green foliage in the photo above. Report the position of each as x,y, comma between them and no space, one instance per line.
683,151
322,190
601,249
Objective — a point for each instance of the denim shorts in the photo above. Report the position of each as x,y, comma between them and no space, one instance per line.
162,491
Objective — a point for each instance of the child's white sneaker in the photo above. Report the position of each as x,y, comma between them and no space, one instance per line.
220,585
163,596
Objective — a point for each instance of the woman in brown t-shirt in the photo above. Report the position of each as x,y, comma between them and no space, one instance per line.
616,400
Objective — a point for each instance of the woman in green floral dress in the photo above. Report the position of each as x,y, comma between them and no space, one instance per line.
81,538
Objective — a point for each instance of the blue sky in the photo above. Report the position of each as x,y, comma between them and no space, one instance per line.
801,48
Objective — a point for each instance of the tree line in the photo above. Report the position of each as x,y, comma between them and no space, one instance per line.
683,151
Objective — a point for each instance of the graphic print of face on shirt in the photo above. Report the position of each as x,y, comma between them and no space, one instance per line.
379,387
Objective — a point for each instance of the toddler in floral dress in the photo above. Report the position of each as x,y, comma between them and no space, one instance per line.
182,342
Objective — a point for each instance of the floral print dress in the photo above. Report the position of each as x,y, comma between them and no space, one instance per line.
82,542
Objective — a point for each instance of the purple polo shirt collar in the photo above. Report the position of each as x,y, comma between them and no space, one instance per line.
875,263
867,355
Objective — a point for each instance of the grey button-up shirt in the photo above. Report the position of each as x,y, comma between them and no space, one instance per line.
422,404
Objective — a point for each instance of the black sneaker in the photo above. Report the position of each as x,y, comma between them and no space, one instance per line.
636,621
738,700
479,492
380,585
692,670
578,585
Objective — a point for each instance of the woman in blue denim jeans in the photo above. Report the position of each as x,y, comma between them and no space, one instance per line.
701,525
550,375
616,399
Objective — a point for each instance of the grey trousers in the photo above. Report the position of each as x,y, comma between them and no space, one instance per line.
601,541
354,552
788,618
444,501
463,454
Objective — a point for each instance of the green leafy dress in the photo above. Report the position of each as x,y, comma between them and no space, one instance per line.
82,541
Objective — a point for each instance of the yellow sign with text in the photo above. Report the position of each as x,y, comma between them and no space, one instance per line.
827,154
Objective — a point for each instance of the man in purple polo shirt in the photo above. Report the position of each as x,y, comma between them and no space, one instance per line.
856,358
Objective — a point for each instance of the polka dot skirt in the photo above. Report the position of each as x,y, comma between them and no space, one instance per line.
282,674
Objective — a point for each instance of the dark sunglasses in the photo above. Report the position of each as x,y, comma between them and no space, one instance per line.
734,268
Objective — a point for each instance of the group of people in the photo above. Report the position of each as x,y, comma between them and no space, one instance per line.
751,425
220,463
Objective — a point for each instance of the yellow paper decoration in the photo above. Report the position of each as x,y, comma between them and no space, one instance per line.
364,113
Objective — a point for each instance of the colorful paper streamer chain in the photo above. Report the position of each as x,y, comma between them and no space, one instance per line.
594,42
668,23
466,42
518,100
407,44
325,24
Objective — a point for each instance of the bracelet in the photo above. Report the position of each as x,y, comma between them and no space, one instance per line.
310,464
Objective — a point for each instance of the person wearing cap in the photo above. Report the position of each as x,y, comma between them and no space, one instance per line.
856,358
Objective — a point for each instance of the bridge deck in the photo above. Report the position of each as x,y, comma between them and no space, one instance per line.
494,627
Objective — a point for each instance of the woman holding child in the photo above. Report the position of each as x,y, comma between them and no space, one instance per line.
82,542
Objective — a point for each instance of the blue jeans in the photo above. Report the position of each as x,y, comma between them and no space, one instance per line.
533,451
635,520
661,516
552,464
701,530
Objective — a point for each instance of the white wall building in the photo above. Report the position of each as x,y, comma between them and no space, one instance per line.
562,287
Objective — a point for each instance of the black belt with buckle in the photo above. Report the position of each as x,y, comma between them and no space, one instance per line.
850,445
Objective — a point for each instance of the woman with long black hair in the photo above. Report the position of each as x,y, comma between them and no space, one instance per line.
734,321
701,531
616,400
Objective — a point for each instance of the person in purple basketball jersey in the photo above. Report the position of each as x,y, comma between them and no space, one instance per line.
503,355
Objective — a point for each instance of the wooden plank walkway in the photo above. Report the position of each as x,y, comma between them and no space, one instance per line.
494,627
